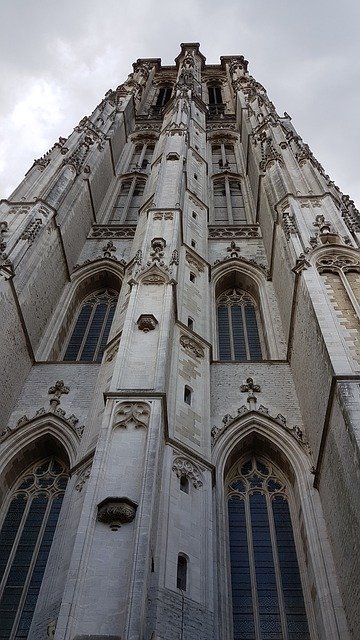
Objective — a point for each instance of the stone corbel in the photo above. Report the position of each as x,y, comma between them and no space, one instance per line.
146,322
116,511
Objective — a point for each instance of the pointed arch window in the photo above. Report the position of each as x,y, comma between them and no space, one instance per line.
26,534
91,331
128,201
238,331
267,592
341,276
228,201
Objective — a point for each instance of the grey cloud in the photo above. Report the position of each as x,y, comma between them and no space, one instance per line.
305,53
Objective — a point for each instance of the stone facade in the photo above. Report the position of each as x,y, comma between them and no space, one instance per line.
182,185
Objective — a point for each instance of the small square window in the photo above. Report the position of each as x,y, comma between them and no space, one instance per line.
193,244
194,215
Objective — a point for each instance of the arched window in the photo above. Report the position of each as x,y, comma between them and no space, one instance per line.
91,331
237,327
181,574
128,201
341,276
25,539
228,201
267,592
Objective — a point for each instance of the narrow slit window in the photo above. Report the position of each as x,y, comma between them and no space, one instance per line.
192,277
181,575
184,484
187,395
190,323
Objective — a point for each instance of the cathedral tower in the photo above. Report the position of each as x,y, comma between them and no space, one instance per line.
179,300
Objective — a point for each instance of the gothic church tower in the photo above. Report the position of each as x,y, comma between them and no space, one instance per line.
180,369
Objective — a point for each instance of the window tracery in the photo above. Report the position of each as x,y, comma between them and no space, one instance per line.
26,535
267,592
238,331
341,276
91,331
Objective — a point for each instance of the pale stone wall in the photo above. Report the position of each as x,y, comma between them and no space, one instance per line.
140,435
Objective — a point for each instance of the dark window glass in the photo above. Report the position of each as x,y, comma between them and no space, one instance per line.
91,331
263,564
163,96
215,96
25,541
237,327
181,573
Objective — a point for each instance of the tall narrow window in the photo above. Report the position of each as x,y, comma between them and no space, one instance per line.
223,157
163,96
228,201
89,337
128,201
181,575
237,327
267,593
142,156
216,106
25,539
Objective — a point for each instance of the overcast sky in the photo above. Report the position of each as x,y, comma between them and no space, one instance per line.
59,57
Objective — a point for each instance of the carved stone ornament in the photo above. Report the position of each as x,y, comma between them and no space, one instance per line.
192,346
135,414
184,467
246,231
83,476
338,262
112,231
295,431
250,386
116,511
146,322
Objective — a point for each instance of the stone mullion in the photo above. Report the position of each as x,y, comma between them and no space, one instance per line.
228,201
277,568
128,202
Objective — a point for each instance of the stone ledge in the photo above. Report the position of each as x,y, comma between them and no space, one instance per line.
92,637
